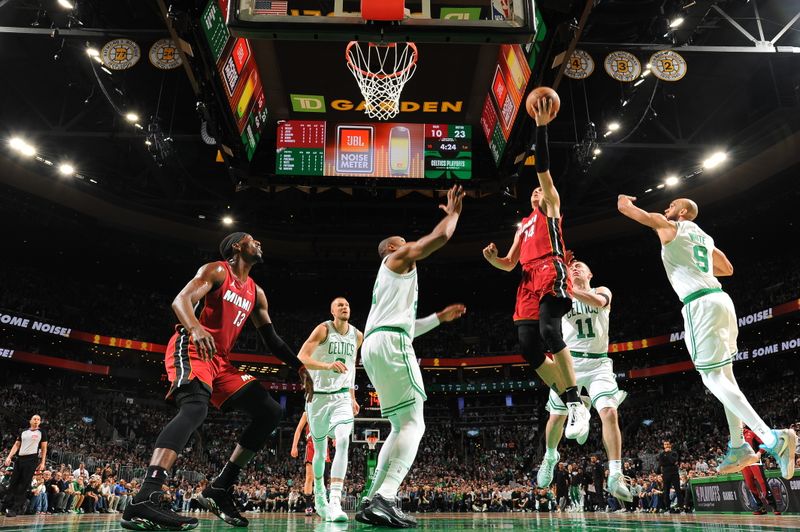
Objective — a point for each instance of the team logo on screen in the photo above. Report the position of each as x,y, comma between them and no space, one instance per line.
580,65
623,66
164,55
668,65
120,54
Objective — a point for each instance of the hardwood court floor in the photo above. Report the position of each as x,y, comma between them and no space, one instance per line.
595,522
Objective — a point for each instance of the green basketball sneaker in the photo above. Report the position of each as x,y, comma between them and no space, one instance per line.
736,459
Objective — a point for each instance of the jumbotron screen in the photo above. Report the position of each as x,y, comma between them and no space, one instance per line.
382,150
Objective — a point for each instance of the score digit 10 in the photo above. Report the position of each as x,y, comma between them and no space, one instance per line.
436,131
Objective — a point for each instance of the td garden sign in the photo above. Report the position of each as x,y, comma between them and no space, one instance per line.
311,103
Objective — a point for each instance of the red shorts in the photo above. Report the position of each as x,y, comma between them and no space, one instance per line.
310,451
539,278
217,375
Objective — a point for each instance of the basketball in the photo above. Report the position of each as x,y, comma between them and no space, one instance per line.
542,92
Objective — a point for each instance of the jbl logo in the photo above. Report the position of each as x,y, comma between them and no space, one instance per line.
307,103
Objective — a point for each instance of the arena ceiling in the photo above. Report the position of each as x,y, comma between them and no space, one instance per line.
740,95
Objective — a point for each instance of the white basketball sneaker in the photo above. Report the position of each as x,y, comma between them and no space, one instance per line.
577,422
335,512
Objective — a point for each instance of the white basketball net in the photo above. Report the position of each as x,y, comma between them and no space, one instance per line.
381,71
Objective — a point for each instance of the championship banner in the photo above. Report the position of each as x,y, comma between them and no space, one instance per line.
667,65
120,54
622,66
580,65
729,493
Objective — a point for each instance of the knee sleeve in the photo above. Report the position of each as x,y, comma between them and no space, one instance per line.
192,410
551,310
265,414
530,343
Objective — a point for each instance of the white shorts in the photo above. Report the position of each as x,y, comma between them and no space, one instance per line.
392,367
327,411
596,375
711,330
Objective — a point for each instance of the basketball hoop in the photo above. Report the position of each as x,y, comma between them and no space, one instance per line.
381,71
372,441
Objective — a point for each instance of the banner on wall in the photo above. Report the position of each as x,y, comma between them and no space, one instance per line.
729,493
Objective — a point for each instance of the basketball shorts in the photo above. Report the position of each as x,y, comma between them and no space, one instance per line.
596,376
539,278
327,411
392,367
217,375
711,330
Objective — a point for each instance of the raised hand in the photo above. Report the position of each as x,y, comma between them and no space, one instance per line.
455,197
451,312
490,252
543,112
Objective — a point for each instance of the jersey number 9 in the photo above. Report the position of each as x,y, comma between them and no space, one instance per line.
701,258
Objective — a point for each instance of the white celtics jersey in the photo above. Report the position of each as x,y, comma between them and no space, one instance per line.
341,347
394,301
585,328
688,260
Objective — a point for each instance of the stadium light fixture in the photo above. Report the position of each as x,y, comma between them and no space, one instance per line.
598,151
66,169
715,159
639,82
131,117
613,126
66,4
671,181
92,52
22,147
676,22
227,220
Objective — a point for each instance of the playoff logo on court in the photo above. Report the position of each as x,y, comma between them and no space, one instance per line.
623,66
164,55
580,65
120,54
668,65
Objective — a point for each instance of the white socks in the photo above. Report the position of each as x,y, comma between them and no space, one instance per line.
723,385
336,491
339,464
409,426
614,467
736,429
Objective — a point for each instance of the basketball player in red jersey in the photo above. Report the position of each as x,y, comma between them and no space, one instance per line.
543,295
200,372
755,479
308,485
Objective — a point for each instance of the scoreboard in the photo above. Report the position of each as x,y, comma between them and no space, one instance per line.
380,150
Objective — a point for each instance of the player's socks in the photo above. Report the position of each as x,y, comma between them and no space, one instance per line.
156,477
228,476
570,395
736,428
336,491
614,467
394,477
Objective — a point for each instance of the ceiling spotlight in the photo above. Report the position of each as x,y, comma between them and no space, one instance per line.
131,117
147,142
597,151
671,181
674,23
227,220
648,190
93,52
23,147
613,126
625,102
66,169
66,4
715,159
660,186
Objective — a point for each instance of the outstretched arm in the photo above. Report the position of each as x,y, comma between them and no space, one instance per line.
401,260
666,230
507,263
722,266
428,323
543,114
600,298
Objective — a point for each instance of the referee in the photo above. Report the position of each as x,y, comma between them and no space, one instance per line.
28,445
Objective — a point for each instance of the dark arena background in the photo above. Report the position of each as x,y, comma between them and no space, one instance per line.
137,134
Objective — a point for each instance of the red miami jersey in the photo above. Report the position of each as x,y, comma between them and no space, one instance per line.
540,236
226,309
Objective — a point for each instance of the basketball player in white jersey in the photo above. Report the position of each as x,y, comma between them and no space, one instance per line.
693,264
586,335
391,364
329,355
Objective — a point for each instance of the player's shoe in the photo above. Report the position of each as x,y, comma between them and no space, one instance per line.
587,402
309,511
383,512
783,451
321,505
577,422
219,501
545,475
618,487
736,459
335,512
760,511
360,517
149,515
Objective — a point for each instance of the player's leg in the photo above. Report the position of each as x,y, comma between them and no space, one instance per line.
318,467
308,486
533,349
553,430
145,511
234,392
341,432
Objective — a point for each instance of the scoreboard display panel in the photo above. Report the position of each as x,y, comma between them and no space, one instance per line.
379,150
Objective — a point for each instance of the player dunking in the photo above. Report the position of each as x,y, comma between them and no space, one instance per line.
693,263
586,335
308,483
391,364
200,372
329,354
543,296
